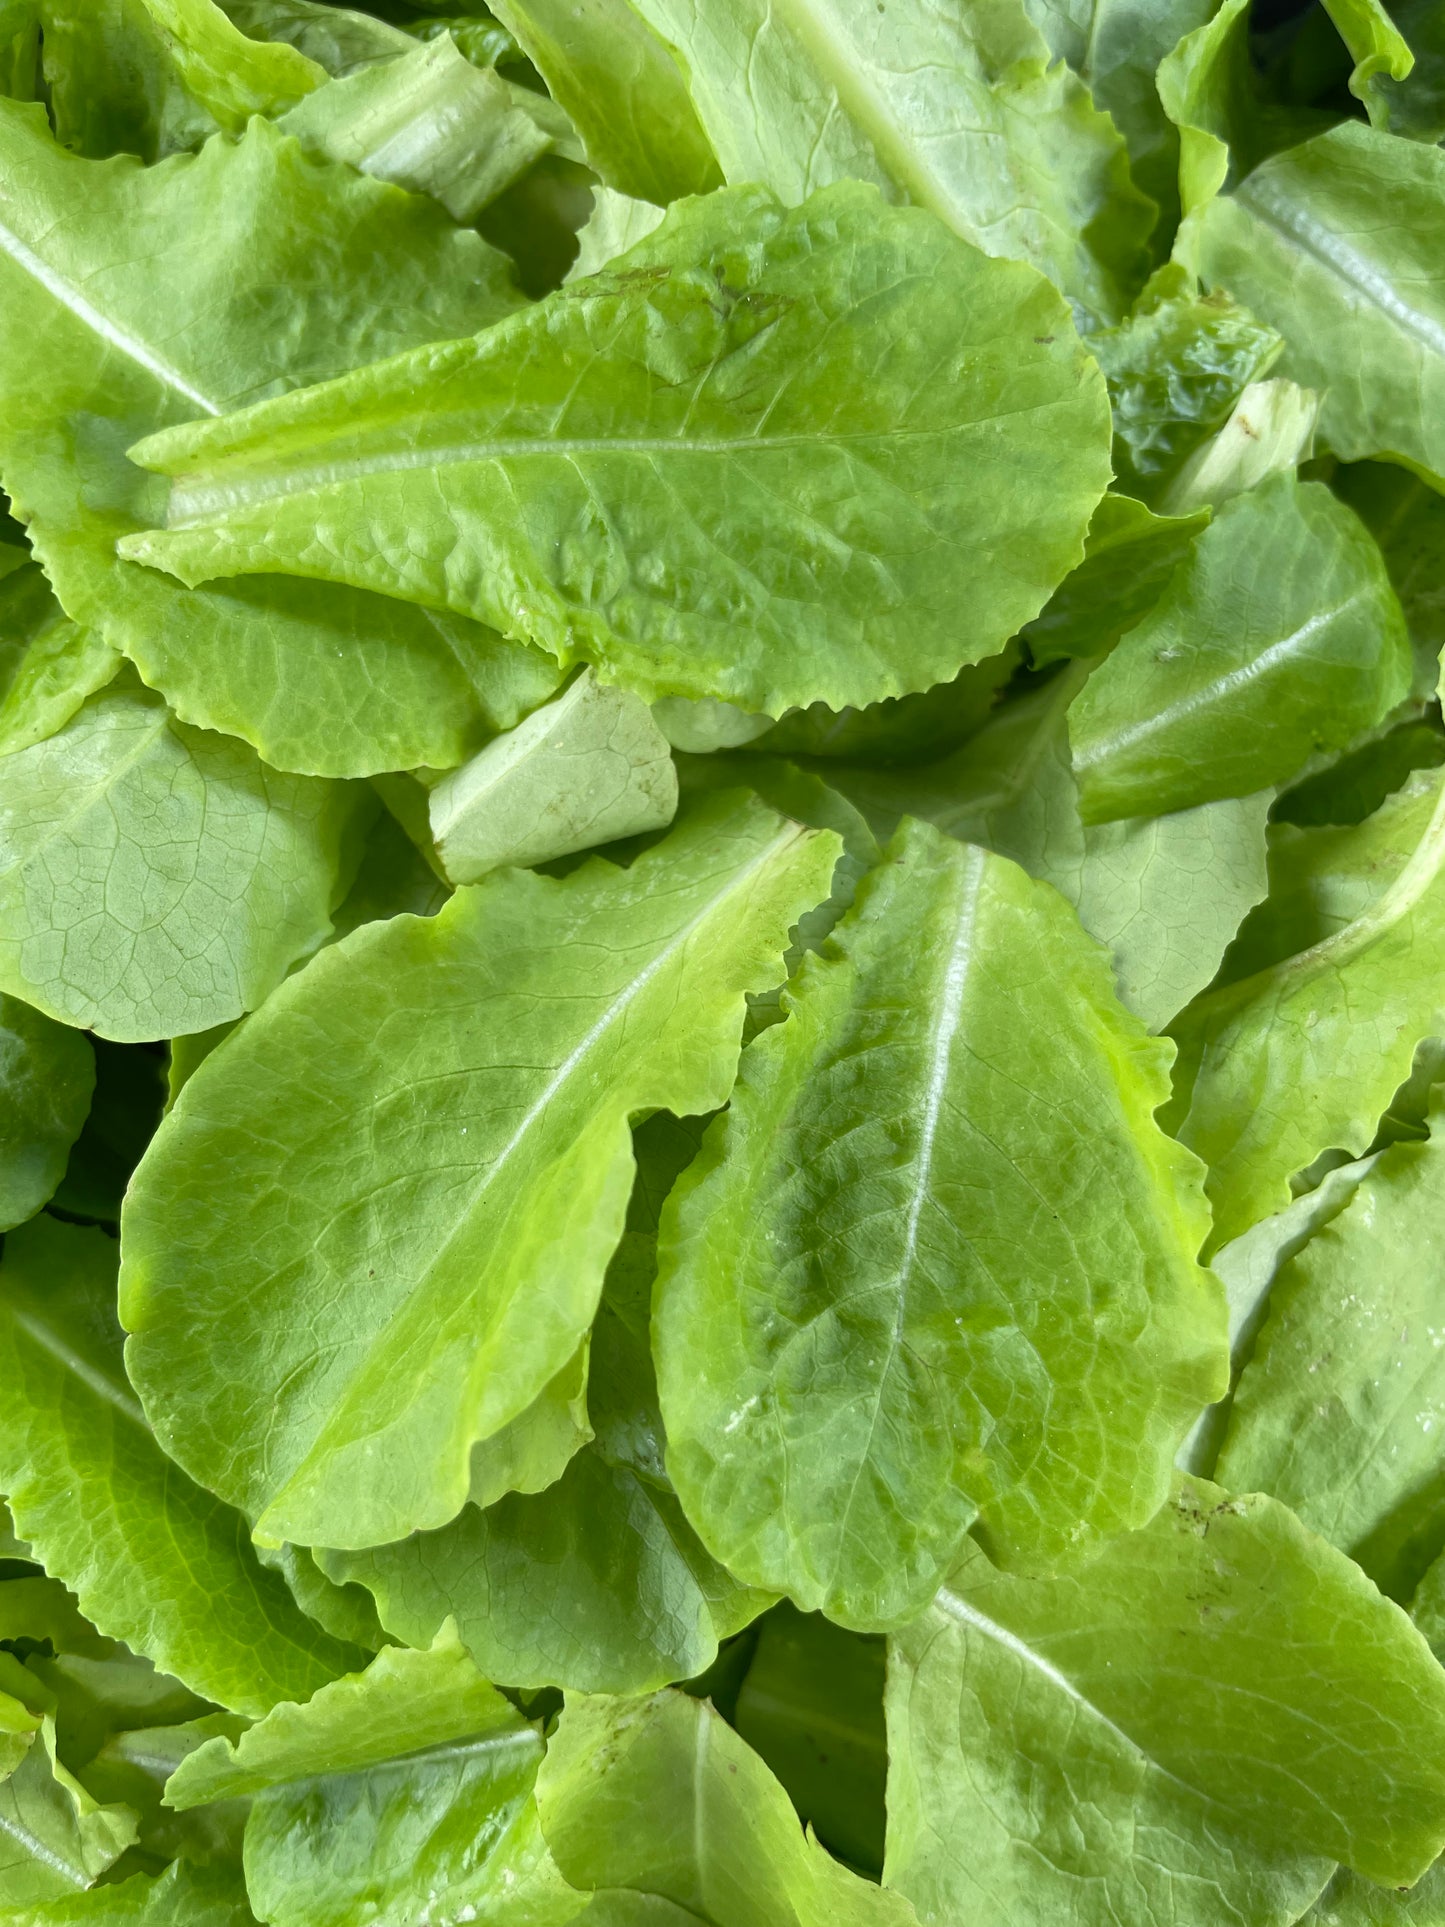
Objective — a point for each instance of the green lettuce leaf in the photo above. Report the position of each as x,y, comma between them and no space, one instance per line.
1192,1727
587,768
48,664
1378,49
509,1037
132,297
623,91
1407,518
658,1808
336,38
1339,1410
133,1768
433,123
1337,244
113,83
231,75
1130,555
154,878
413,1779
1165,894
956,109
1305,1052
182,1896
597,1583
811,1707
130,1090
47,1075
1280,636
584,494
150,1557
857,1352
54,1838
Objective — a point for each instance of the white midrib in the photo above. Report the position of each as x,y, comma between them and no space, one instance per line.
38,1850
100,324
94,1380
1332,251
195,503
963,1614
1222,686
618,1008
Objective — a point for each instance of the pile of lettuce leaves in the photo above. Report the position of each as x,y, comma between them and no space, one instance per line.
722,963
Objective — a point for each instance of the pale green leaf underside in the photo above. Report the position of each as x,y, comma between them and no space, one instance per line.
936,1258
131,298
476,1071
152,1559
778,493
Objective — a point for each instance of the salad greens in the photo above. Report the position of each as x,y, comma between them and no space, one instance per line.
722,963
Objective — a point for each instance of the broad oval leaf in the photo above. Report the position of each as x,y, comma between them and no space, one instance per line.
1194,1726
477,1070
1338,244
134,297
956,109
935,1238
47,1075
762,457
1304,1054
1279,637
152,1559
157,879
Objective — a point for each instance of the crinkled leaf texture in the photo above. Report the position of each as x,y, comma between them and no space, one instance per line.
1304,1054
1340,1410
407,1785
157,879
1164,893
659,1809
954,108
766,456
131,298
1193,1727
1278,638
1338,244
596,1583
152,1559
936,1259
327,1364
47,1075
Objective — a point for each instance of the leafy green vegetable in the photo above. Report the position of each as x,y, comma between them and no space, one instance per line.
835,1279
111,285
608,484
663,1813
1278,637
54,1838
1204,1718
151,1558
47,1075
587,768
1336,244
452,1335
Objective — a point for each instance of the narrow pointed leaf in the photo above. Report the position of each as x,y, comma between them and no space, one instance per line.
937,1222
151,1558
789,506
131,298
509,1038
